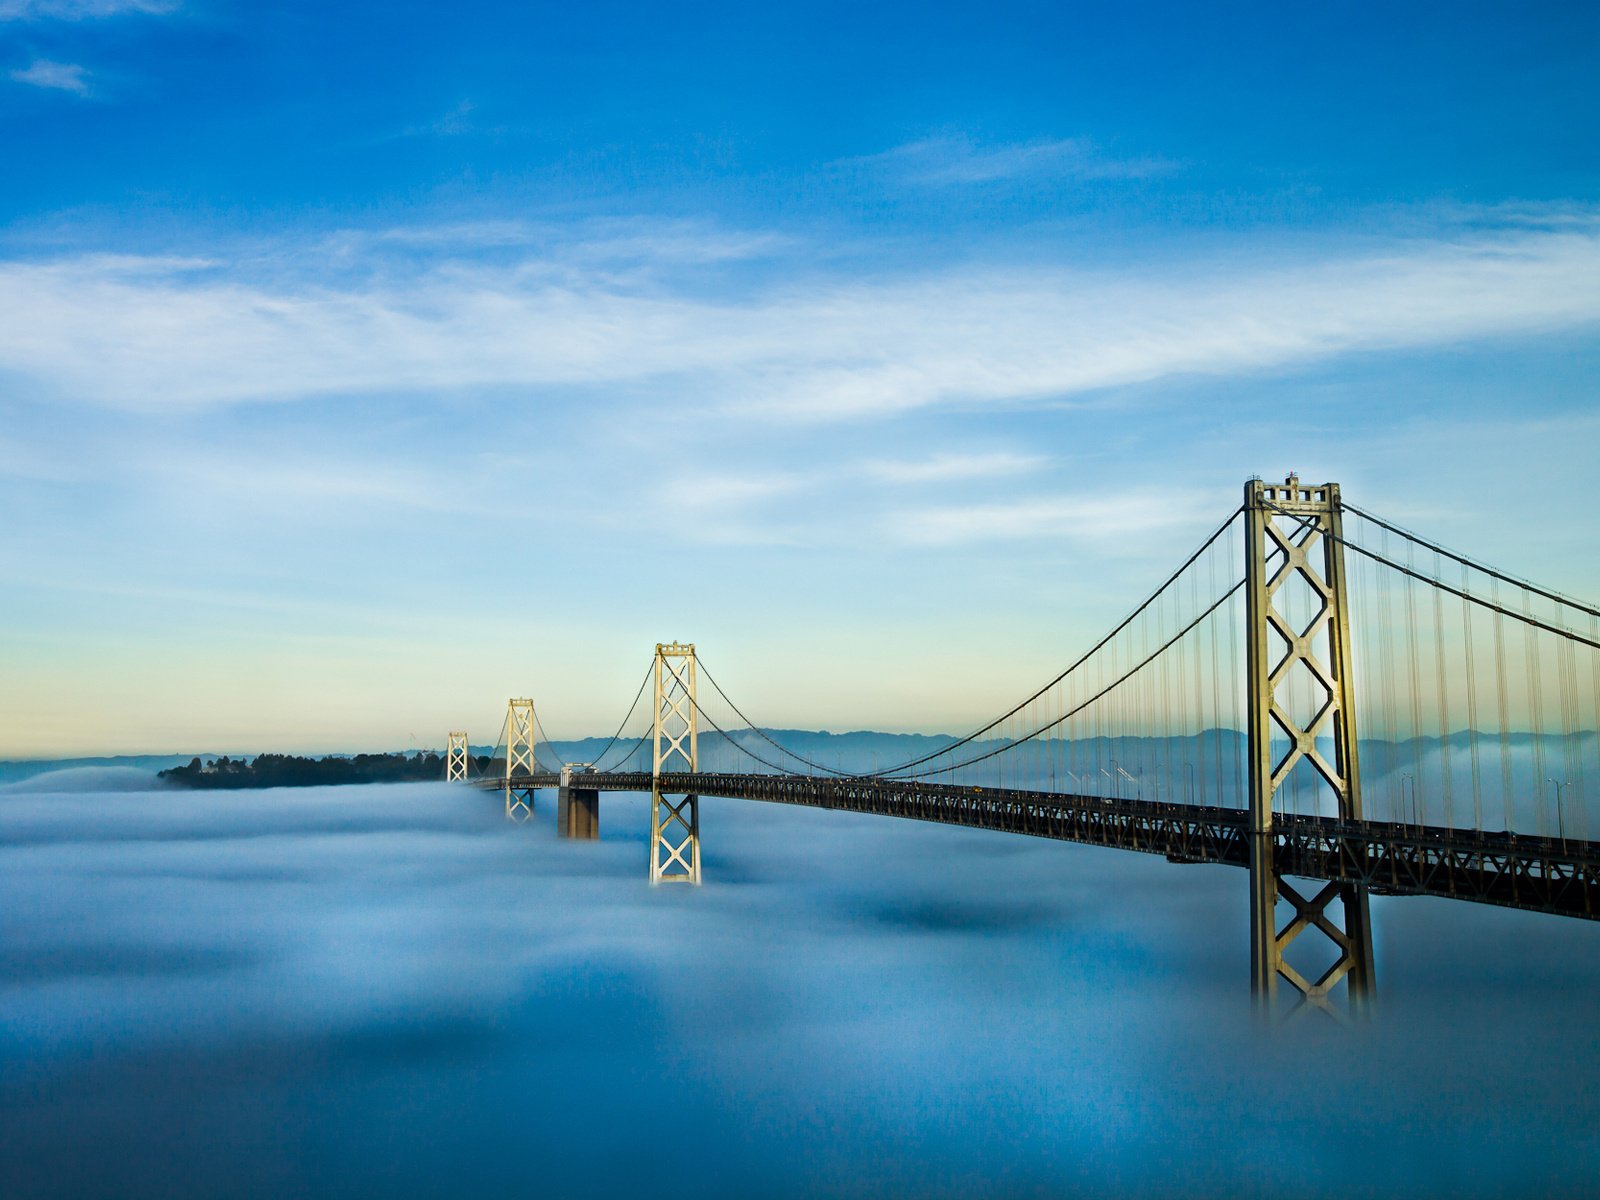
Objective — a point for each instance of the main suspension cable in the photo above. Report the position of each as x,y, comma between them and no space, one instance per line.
1085,657
539,729
1110,687
674,691
1492,606
1557,597
728,737
764,736
638,696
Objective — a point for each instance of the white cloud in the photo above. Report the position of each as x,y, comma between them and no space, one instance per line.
318,486
957,159
79,10
632,241
946,468
681,242
1093,517
159,333
727,508
66,77
700,492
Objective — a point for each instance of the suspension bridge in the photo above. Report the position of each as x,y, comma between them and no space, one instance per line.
1216,723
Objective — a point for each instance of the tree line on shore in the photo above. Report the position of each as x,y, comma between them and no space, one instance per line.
289,770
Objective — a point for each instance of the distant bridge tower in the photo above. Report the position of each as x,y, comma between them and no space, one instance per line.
1299,684
455,757
675,827
519,758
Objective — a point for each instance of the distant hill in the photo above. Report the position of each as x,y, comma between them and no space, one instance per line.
16,770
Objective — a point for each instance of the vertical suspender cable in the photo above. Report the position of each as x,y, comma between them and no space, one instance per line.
1593,659
1184,747
1446,757
1533,645
1216,683
1391,706
1472,704
1146,697
1414,677
1233,614
1201,774
1119,701
1361,591
1572,772
1501,707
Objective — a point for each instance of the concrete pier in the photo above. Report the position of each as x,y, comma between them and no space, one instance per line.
577,807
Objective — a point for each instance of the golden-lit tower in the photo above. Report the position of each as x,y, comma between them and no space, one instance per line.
675,827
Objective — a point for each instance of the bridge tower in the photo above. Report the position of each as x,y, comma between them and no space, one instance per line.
1293,543
519,758
675,827
455,757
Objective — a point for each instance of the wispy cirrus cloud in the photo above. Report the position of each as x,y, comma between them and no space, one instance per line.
80,10
66,77
455,121
619,245
155,333
1045,516
320,487
947,468
958,159
729,504
701,491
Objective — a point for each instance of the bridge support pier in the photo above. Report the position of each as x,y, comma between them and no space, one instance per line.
675,824
577,807
1301,695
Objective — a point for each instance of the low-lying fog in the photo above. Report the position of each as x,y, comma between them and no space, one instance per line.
388,991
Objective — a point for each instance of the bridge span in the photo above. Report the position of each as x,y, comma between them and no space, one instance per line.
1216,723
1539,874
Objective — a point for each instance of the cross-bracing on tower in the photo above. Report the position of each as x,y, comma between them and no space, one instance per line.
674,824
520,759
456,757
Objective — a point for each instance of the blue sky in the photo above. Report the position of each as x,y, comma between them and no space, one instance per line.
361,365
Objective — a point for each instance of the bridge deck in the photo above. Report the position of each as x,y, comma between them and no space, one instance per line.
1543,874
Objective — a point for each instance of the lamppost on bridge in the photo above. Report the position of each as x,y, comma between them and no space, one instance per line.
1137,784
1561,821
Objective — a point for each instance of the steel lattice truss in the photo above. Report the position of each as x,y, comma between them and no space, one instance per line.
520,759
675,824
455,757
1293,533
1300,652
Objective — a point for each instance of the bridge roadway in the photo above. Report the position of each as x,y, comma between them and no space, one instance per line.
1542,874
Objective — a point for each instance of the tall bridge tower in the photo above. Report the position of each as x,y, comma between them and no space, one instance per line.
519,758
1301,695
455,757
674,827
